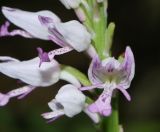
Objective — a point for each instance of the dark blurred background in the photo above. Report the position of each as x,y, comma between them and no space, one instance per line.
137,25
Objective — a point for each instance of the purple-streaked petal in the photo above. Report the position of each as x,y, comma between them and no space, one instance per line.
56,37
31,88
30,72
4,31
125,93
74,34
103,104
4,98
29,21
45,20
95,64
127,69
56,40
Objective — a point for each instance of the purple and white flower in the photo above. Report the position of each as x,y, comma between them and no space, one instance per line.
30,73
28,21
47,26
110,74
69,101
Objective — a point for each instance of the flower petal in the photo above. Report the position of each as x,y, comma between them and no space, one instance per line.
103,71
125,93
4,98
74,34
29,21
4,31
127,69
102,105
95,64
71,99
30,73
47,57
91,87
51,115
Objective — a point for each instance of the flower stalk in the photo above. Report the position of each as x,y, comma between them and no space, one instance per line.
111,124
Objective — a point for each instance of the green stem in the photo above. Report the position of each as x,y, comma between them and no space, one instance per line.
78,74
111,123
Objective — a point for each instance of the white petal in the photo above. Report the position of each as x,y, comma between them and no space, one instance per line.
30,72
70,3
75,34
127,69
29,21
71,99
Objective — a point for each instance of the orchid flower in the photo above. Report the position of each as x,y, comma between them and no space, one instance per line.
47,26
30,73
69,101
109,74
28,21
